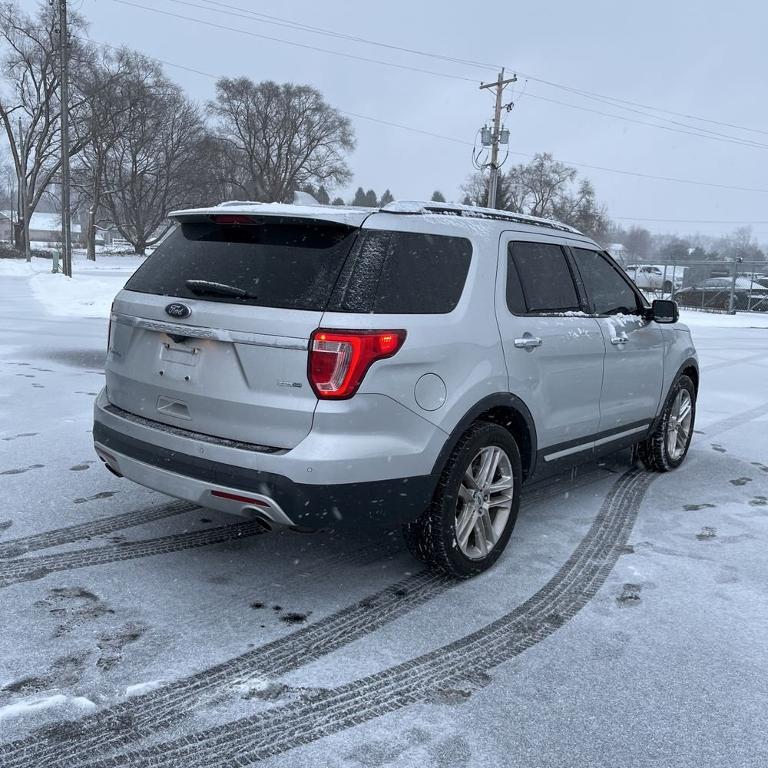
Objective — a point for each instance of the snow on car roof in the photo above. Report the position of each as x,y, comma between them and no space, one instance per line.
341,214
355,216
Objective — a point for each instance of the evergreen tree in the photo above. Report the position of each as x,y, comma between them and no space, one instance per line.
322,195
338,201
437,197
371,201
386,198
359,198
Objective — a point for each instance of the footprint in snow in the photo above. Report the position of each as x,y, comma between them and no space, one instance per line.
22,470
630,594
21,434
95,497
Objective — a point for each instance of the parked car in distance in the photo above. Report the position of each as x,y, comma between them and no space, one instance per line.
715,293
656,277
412,365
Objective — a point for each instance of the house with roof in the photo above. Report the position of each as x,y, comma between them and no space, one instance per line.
44,227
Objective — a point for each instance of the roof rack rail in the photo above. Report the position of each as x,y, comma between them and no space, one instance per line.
416,207
227,203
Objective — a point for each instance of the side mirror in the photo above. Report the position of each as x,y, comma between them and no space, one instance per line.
664,311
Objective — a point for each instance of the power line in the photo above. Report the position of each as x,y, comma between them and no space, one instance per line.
296,44
618,101
453,139
714,137
689,221
469,62
279,21
692,130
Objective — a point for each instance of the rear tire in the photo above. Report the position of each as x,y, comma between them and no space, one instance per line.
666,448
468,524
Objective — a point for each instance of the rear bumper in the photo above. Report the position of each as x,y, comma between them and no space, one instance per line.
194,476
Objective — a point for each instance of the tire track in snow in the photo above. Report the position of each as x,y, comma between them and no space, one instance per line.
123,724
59,536
465,662
737,420
31,568
120,725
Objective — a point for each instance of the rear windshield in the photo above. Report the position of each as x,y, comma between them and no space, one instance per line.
312,265
285,263
403,273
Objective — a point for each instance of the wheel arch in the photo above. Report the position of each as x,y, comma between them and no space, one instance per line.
506,410
688,368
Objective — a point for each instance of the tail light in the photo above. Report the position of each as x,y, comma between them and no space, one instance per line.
232,218
109,327
339,360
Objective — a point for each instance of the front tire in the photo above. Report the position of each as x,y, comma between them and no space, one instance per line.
474,509
667,446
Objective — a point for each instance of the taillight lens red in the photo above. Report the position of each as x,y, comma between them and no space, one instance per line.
231,218
339,360
109,328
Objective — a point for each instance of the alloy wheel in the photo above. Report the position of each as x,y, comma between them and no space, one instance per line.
679,424
484,502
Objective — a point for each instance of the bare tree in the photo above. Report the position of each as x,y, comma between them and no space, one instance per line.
547,188
30,111
581,210
105,84
282,137
152,164
638,242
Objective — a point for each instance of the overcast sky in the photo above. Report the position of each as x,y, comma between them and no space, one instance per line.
703,58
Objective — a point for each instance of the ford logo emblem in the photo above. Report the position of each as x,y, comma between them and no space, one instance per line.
178,309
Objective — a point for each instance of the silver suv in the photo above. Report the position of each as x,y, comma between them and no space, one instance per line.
413,365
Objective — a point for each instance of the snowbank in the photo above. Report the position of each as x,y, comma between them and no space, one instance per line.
140,688
82,296
696,319
26,706
21,268
88,294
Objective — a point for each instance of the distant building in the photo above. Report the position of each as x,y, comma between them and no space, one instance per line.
6,225
43,227
618,251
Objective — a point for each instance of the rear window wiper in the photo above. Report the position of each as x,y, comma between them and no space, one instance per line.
210,288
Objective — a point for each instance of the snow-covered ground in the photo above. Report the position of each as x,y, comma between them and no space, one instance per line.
627,624
89,294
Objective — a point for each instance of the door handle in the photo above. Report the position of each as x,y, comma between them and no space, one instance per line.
623,339
528,342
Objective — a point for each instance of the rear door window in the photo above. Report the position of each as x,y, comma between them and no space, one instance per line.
607,289
545,280
403,273
275,262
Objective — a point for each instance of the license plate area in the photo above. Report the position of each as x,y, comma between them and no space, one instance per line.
179,362
182,354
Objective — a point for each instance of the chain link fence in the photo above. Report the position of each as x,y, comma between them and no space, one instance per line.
714,286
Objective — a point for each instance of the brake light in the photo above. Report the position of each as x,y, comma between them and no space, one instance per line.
339,360
231,218
109,327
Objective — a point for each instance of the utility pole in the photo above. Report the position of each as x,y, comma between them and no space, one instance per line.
66,232
493,181
732,299
23,223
